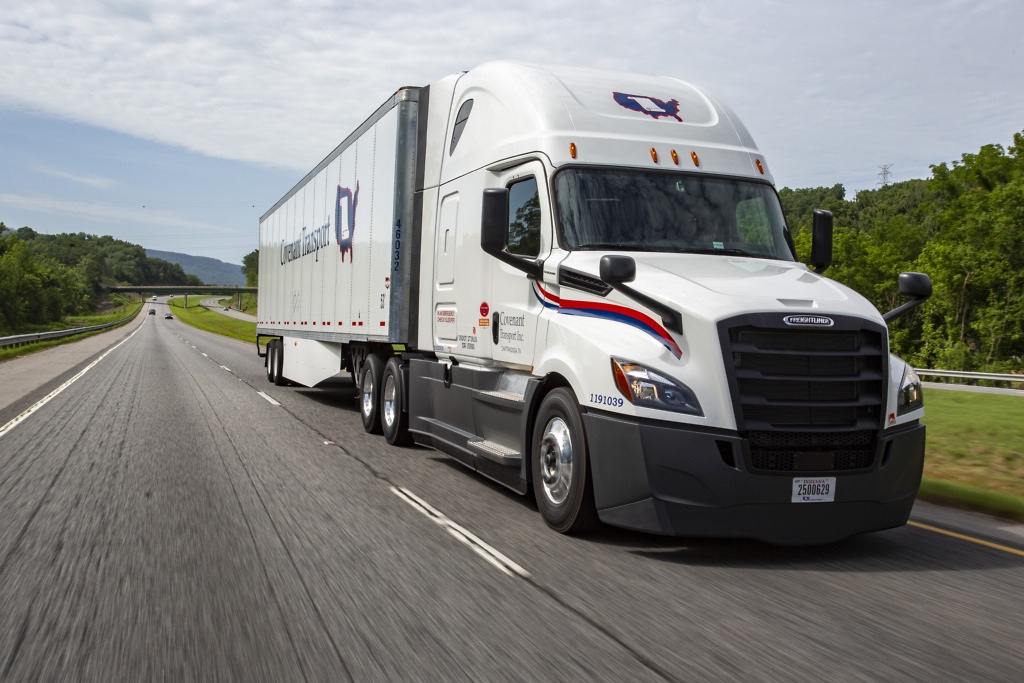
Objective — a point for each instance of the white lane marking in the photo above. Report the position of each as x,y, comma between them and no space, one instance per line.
204,355
269,400
53,394
226,368
464,535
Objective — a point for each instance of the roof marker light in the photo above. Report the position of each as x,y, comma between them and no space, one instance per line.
696,159
760,166
654,155
675,157
572,150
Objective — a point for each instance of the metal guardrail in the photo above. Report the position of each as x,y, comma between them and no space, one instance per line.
21,339
957,374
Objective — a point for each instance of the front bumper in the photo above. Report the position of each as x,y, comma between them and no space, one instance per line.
680,481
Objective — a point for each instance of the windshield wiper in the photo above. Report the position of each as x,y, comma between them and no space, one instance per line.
617,246
728,252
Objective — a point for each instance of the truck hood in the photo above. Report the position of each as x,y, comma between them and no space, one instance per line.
716,287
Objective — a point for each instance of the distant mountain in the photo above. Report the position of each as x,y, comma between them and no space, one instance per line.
209,270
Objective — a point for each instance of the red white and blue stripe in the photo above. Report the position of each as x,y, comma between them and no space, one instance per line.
597,309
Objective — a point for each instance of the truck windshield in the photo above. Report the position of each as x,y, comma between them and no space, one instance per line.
632,210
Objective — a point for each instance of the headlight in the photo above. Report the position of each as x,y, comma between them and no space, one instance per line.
645,387
910,396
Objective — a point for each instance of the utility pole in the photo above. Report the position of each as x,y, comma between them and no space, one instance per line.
884,175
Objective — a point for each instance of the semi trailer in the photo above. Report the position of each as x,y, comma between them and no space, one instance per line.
581,283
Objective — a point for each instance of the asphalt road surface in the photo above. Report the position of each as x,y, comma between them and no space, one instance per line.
161,519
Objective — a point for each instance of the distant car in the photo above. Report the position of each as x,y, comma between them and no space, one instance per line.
152,311
154,297
168,316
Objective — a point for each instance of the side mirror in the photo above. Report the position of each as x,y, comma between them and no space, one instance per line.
617,269
494,232
494,221
916,285
821,244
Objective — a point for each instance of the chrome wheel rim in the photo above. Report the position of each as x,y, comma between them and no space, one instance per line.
389,400
556,460
367,394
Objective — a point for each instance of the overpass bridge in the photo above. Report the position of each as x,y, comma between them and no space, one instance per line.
166,290
184,290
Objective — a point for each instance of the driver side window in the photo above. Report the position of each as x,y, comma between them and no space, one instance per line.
523,237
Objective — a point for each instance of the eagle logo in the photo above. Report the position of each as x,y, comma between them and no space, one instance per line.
345,218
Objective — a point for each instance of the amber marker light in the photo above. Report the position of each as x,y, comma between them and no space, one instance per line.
572,150
675,157
654,155
760,166
696,159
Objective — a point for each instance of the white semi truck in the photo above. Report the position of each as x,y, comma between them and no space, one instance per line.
581,282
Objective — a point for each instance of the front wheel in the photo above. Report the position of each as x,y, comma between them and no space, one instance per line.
369,393
394,418
561,467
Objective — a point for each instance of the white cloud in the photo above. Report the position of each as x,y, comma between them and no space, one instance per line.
98,182
107,213
830,91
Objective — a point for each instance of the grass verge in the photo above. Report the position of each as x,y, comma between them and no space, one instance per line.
128,310
975,451
1005,505
212,321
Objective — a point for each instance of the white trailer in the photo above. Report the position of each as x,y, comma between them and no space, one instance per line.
580,282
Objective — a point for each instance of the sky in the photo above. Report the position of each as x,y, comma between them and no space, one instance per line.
176,124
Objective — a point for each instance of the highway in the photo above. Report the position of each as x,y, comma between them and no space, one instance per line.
170,515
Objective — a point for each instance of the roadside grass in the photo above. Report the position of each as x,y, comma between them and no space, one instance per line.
975,451
212,321
248,303
126,307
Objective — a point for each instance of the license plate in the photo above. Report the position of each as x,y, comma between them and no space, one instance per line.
814,489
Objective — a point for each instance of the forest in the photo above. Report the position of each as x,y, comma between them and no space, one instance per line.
963,226
44,278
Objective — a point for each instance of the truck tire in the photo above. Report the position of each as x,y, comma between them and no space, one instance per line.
271,361
279,379
560,466
369,392
394,417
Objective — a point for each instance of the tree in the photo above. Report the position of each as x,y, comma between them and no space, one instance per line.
251,268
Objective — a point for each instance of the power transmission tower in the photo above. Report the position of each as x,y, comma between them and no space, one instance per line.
884,175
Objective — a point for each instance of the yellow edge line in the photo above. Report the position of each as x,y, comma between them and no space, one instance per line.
970,539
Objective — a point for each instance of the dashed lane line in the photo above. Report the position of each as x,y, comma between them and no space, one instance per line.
53,394
488,553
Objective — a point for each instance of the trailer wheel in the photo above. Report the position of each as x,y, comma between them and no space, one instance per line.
394,418
369,392
279,379
271,360
560,466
